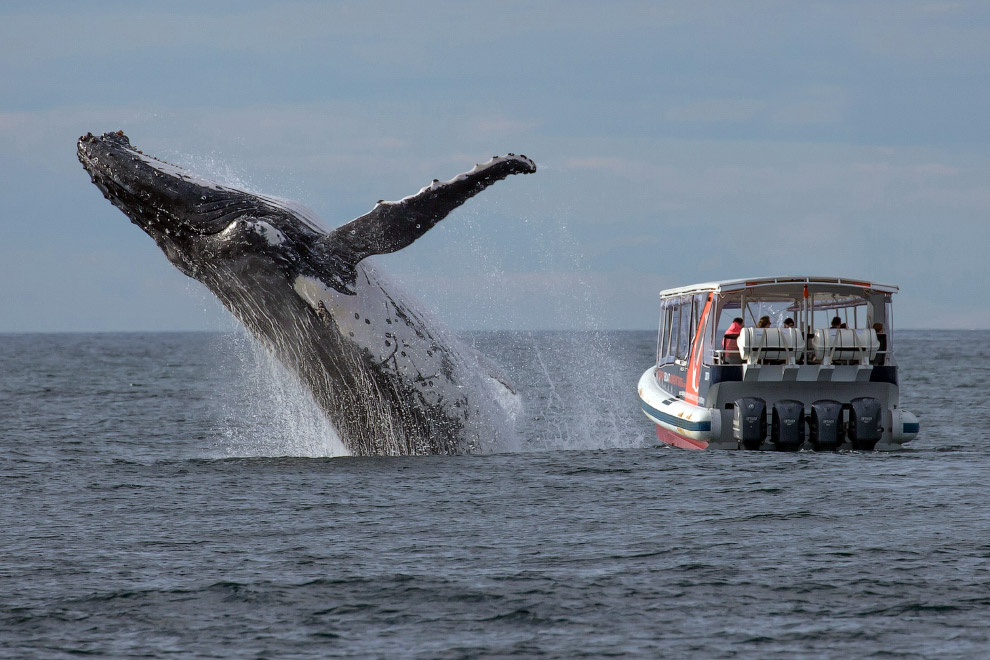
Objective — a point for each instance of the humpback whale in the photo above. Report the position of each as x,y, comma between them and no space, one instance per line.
390,379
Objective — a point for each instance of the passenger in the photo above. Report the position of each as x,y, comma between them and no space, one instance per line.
881,357
836,322
788,322
843,326
764,322
729,342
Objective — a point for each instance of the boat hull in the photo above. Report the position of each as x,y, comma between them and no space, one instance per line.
687,426
671,438
678,423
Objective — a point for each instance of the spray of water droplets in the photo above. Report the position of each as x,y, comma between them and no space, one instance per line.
267,411
572,388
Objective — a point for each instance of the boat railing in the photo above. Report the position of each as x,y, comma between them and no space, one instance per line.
826,346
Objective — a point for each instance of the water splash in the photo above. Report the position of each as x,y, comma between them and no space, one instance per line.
267,411
578,392
585,371
576,388
214,167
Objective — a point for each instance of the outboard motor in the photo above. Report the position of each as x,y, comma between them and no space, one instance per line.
749,422
865,422
826,425
787,428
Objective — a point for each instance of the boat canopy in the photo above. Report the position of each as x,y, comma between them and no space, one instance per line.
780,283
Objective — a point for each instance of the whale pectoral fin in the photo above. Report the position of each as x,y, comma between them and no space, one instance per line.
391,226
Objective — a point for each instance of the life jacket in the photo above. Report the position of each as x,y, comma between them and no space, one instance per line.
731,335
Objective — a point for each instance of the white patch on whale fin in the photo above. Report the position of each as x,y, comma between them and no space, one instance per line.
315,292
391,226
312,290
270,234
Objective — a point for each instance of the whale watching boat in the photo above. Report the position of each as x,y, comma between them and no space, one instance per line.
782,363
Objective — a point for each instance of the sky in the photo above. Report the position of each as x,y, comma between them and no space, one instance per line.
677,142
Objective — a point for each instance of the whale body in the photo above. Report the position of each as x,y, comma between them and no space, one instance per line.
390,379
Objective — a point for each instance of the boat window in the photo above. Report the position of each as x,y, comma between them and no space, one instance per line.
663,322
730,310
672,319
668,341
684,333
851,310
778,310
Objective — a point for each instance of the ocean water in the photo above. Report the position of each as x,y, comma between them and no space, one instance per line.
176,495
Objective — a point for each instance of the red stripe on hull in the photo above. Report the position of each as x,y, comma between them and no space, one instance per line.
671,438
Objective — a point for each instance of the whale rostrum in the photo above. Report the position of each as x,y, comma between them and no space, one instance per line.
390,379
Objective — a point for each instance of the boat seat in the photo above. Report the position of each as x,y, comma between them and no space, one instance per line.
845,346
769,345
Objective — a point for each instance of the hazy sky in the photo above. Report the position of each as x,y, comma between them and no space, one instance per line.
677,142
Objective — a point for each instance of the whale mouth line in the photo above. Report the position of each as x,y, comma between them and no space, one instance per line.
116,169
127,152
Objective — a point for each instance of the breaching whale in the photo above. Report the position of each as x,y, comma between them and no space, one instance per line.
390,380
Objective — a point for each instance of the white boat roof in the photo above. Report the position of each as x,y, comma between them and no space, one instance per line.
725,286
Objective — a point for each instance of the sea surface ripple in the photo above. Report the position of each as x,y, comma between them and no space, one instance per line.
174,495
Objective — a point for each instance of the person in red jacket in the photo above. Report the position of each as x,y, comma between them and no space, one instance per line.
732,334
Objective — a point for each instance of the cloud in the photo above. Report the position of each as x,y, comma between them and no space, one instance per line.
716,110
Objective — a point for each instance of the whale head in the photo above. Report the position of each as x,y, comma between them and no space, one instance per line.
203,227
